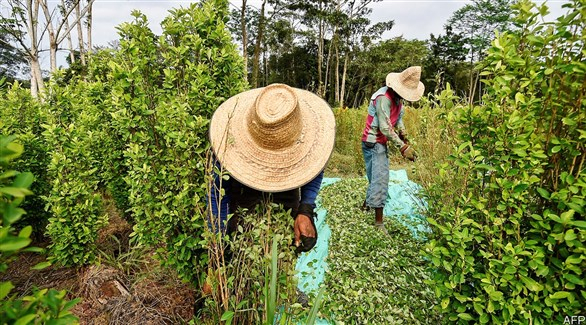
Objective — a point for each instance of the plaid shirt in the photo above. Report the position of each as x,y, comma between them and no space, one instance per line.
384,116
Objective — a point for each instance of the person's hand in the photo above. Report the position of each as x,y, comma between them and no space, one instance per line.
305,235
408,152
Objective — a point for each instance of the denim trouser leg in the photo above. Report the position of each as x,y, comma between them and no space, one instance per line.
377,172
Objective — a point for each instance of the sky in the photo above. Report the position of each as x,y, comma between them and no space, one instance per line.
414,19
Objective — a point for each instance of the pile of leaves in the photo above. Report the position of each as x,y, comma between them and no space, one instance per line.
372,278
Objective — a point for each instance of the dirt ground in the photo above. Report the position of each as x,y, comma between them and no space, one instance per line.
125,287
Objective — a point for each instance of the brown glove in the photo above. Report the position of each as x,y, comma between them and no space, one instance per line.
408,152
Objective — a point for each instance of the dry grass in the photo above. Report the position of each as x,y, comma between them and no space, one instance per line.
127,286
433,136
429,130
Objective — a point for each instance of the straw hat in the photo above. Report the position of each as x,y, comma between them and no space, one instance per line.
274,138
407,83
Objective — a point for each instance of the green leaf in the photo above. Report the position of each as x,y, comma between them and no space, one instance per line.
5,288
445,303
25,319
519,98
570,235
520,188
15,191
25,232
574,279
227,315
531,284
13,243
23,180
560,295
465,316
543,192
568,121
567,216
12,214
573,259
42,265
579,224
8,174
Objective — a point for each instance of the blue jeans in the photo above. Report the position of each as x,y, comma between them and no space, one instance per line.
377,172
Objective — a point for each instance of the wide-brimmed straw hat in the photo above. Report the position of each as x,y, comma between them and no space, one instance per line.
274,138
407,83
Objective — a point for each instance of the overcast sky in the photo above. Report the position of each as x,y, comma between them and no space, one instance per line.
414,19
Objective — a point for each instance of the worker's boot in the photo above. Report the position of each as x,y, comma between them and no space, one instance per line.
378,220
364,207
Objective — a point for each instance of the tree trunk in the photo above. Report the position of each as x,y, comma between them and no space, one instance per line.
37,79
89,26
257,46
80,33
329,57
343,88
52,35
244,37
37,84
265,67
34,86
69,39
321,87
337,75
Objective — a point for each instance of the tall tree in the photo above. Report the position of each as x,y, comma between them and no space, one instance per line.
364,71
477,23
316,18
12,61
59,27
258,45
21,21
447,56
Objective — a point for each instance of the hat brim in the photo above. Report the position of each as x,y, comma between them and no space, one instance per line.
409,94
272,170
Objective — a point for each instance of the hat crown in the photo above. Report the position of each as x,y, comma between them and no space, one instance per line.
410,77
275,121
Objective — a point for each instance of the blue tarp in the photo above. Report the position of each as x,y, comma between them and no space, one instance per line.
311,266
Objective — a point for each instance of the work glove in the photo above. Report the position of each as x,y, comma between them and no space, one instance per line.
301,242
408,152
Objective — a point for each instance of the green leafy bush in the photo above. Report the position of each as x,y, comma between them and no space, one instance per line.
510,246
164,90
21,115
73,134
44,306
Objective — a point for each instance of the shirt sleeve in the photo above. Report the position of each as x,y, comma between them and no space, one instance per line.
383,110
310,190
400,125
218,200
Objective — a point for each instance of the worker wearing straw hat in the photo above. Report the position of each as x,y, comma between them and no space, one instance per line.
274,142
385,115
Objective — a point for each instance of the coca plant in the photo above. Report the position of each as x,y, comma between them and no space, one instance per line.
41,306
20,116
73,133
164,91
510,247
